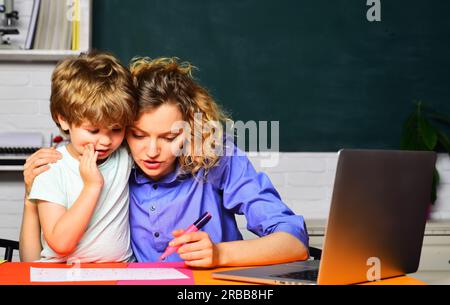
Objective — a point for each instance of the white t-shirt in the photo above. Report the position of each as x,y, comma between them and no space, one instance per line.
107,237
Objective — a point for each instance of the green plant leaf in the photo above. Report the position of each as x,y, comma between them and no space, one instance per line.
440,117
419,134
408,140
443,140
410,137
427,133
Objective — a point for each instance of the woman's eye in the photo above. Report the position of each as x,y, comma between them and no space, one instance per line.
170,139
137,136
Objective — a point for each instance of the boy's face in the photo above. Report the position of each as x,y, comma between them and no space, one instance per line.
152,141
105,139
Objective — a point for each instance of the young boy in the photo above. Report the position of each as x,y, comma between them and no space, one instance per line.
83,198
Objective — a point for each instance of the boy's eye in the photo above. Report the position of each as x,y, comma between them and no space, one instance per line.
93,131
117,130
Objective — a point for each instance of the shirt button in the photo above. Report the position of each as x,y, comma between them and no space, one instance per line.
155,186
156,234
152,208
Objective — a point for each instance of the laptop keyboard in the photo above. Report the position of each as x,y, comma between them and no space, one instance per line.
307,275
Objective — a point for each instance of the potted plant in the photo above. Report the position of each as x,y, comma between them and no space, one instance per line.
422,130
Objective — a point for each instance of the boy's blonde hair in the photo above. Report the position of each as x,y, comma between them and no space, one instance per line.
93,87
166,80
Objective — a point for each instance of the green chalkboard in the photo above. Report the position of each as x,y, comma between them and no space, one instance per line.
328,75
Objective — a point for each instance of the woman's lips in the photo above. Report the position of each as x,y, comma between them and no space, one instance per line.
152,164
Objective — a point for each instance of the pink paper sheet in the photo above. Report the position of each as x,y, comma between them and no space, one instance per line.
178,265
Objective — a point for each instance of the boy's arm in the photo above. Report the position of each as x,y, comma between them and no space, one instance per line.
63,228
29,241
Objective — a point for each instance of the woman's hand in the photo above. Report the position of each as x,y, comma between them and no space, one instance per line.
37,163
88,168
198,249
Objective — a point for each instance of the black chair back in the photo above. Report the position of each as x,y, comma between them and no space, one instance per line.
10,246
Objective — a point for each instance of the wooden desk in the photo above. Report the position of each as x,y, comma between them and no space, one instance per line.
203,277
19,274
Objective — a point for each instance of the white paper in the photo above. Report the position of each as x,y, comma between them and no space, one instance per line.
103,274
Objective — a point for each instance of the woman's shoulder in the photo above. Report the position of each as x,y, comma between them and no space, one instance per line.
232,154
233,161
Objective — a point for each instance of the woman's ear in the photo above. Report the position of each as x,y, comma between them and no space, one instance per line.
63,123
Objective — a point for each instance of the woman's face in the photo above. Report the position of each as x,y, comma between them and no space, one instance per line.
154,142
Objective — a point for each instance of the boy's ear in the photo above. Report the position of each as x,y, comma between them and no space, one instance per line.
63,123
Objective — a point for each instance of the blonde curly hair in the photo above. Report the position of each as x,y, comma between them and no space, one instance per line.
167,80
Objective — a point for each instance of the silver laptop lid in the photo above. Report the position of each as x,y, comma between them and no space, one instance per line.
377,215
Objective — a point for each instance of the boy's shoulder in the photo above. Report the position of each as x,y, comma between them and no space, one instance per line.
51,182
123,151
64,165
122,157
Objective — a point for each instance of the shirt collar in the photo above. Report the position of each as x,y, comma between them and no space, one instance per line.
142,178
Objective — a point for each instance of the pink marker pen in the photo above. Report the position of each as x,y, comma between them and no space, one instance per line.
192,228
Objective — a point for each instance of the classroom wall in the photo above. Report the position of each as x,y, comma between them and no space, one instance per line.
332,78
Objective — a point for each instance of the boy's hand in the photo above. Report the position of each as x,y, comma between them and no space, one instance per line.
198,249
88,168
37,163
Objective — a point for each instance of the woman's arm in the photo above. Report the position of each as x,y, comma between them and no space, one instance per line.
199,251
29,241
275,248
283,235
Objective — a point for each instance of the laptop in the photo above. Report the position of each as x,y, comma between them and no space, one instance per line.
375,225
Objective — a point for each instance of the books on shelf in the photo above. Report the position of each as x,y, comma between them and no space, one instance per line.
84,25
59,25
75,24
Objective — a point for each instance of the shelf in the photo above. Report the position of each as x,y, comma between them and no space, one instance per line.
36,55
11,168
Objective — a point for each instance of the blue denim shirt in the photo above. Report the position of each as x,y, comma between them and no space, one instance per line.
176,201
